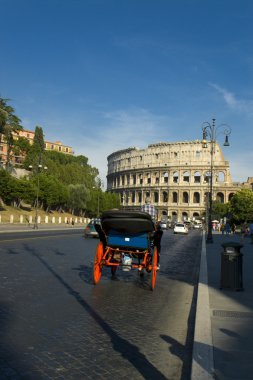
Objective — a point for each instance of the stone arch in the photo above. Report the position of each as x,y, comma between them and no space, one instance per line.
220,197
165,177
175,177
186,176
221,176
196,197
184,215
230,196
185,197
174,197
197,177
165,196
195,214
207,176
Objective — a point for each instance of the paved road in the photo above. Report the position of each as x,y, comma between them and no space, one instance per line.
55,324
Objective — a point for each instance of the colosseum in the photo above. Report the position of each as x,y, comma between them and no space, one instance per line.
175,175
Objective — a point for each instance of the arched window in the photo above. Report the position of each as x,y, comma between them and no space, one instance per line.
231,196
195,214
220,197
133,196
184,215
185,197
175,177
174,197
186,177
221,177
139,198
197,177
156,197
196,197
165,177
165,196
207,177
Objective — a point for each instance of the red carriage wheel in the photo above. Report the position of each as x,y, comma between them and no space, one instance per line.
97,268
154,268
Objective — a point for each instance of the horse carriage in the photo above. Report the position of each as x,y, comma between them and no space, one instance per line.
127,240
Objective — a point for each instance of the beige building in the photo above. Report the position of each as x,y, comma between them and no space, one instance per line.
175,175
29,135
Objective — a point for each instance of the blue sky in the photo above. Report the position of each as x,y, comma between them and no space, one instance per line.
104,75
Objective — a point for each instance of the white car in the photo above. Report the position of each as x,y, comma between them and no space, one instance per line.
197,225
180,228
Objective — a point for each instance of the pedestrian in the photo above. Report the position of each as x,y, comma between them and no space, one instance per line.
149,208
157,242
223,228
73,222
233,228
227,228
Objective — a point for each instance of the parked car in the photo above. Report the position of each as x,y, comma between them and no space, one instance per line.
180,228
90,230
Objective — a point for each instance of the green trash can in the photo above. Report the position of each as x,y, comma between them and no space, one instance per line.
231,266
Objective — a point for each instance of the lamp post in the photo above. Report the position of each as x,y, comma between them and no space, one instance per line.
211,131
39,168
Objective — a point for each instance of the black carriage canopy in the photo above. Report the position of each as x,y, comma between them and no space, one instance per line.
135,222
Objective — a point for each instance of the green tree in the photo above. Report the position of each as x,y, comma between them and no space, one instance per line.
219,210
35,154
79,195
9,124
22,190
6,186
241,205
52,194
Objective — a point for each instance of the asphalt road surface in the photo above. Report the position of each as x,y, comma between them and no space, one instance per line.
55,324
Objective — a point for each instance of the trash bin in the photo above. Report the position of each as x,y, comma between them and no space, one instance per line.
231,266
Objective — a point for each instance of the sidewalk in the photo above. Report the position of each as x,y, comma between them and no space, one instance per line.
223,341
8,227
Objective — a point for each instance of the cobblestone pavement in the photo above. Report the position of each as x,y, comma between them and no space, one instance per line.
55,324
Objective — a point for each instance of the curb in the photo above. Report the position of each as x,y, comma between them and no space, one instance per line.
202,357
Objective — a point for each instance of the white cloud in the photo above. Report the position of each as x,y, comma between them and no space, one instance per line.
121,129
232,102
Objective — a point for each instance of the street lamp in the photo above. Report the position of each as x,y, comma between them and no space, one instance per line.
211,131
39,168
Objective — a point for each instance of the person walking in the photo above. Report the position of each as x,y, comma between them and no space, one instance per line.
150,209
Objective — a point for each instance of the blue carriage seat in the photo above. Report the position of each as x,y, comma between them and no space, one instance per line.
127,229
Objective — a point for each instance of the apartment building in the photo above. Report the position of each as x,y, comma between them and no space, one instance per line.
29,135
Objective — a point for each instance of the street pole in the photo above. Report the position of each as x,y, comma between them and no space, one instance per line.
211,131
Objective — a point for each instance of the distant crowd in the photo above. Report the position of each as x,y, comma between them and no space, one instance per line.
246,229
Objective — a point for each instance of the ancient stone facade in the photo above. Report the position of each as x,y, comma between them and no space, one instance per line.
175,175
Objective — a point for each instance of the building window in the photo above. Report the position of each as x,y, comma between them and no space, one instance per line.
185,197
186,177
197,177
196,198
174,197
165,196
59,148
220,197
175,177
